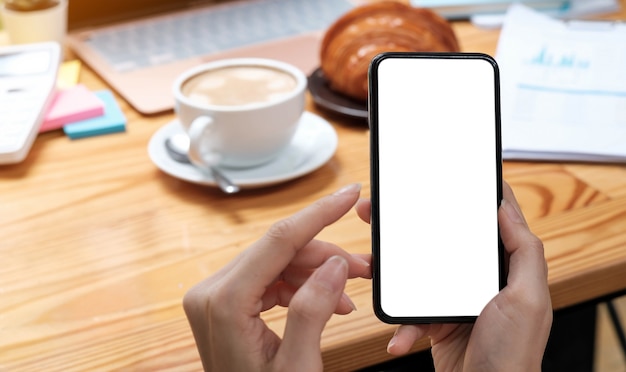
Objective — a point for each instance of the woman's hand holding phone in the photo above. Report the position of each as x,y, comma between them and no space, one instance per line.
512,331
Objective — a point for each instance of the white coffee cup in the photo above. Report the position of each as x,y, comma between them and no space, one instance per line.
240,112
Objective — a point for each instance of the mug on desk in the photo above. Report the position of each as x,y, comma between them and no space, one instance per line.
34,21
240,112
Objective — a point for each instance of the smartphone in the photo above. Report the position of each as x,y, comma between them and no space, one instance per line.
436,185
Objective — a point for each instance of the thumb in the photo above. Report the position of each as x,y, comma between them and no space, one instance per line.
309,310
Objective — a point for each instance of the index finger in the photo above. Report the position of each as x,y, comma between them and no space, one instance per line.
260,264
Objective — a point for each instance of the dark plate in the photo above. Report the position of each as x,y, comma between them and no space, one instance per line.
333,101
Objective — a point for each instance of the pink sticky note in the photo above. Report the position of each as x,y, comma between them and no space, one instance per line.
70,105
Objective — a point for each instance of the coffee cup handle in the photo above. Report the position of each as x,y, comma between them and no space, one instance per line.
198,129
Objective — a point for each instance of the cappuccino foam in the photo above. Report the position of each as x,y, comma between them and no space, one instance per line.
239,85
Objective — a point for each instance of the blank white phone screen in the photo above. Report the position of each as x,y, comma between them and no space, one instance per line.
437,186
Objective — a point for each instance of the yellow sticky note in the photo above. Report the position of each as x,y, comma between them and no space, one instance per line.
68,74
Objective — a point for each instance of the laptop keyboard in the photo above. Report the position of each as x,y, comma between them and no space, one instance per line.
213,29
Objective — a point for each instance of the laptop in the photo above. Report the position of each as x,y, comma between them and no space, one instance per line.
139,47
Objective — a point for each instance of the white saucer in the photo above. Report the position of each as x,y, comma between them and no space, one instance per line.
313,145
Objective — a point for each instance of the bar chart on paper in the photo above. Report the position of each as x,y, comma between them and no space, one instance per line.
564,65
563,89
568,71
569,60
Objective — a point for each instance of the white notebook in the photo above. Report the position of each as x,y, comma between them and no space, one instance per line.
460,9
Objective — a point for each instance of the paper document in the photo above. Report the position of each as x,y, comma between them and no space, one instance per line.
563,88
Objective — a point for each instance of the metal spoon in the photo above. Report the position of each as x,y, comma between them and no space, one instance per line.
177,147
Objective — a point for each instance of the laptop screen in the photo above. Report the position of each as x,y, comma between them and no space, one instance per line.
89,13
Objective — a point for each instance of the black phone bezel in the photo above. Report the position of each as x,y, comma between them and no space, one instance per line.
374,174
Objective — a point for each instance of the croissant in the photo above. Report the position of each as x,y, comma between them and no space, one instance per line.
356,37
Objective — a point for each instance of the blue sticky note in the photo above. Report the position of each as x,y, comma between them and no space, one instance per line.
112,121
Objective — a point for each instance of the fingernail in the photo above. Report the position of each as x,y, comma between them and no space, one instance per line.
327,273
361,261
348,300
352,188
391,343
511,211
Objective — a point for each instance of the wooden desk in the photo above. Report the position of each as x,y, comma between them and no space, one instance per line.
98,246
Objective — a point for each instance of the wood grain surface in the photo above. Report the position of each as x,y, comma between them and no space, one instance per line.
98,245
